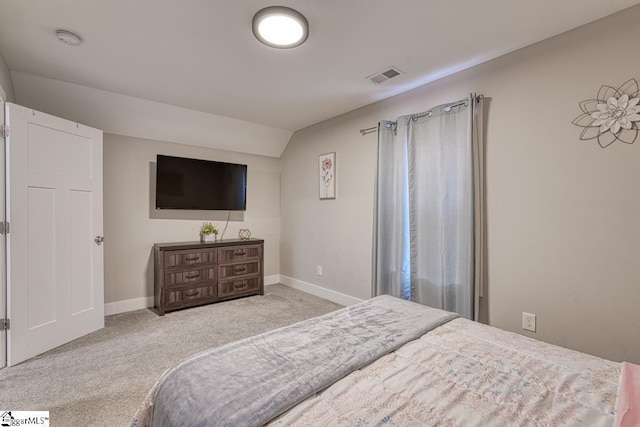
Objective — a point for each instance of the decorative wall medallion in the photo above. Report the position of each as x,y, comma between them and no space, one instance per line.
613,116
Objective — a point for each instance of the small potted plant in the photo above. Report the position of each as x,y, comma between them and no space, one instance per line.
208,232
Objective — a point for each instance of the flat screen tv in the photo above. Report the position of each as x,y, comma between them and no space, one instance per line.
200,184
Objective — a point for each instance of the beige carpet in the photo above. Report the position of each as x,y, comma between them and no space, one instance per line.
100,379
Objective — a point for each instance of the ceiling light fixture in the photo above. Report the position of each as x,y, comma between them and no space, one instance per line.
280,27
68,37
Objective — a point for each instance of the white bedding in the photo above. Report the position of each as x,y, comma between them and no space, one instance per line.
468,374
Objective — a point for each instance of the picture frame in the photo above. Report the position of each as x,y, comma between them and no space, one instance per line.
327,176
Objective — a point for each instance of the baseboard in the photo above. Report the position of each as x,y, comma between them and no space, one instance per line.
127,305
271,280
319,291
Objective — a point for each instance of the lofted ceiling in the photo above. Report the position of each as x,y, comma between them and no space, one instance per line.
200,55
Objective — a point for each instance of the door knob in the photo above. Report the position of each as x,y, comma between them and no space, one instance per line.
99,240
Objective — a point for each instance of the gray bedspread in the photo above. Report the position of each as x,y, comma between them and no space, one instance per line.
249,382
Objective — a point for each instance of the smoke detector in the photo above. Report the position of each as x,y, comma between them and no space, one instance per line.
68,37
385,75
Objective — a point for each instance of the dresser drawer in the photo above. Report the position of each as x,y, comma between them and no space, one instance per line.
186,258
190,277
192,296
239,253
232,288
241,269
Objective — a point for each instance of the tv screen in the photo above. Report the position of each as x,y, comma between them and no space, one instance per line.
200,184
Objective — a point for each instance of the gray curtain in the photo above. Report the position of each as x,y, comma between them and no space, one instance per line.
428,208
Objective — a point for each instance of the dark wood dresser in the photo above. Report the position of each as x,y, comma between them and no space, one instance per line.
188,274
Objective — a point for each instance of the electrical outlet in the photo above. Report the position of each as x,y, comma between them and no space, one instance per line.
319,270
529,322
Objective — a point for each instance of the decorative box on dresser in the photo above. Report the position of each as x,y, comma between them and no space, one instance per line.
188,274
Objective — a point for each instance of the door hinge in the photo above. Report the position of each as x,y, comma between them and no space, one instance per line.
5,227
5,324
4,131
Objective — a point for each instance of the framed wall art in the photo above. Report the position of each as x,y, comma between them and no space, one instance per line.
327,175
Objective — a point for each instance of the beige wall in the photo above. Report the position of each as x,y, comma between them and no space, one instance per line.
132,226
563,214
141,118
5,80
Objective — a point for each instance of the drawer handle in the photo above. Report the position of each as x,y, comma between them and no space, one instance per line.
195,258
192,276
239,269
191,293
243,253
239,286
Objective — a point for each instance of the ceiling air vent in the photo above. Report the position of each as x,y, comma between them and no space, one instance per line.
385,75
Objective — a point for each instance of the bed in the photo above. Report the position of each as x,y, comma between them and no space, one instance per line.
385,362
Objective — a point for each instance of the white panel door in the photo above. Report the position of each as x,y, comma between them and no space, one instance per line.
3,283
54,205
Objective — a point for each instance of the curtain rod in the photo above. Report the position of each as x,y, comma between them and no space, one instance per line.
374,129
